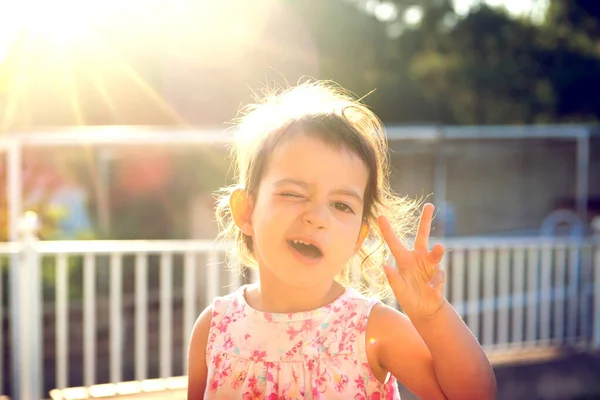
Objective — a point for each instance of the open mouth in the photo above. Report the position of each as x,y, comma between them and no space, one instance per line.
306,249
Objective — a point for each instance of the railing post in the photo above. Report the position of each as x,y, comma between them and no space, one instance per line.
29,290
14,194
596,296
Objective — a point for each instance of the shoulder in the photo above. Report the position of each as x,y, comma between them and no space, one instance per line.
200,331
395,346
388,329
383,317
197,368
212,315
199,335
215,311
208,318
200,343
203,322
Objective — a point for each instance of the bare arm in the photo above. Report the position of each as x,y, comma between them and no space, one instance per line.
394,345
435,357
461,366
197,369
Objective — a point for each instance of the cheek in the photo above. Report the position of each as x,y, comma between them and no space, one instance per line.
269,215
356,232
347,233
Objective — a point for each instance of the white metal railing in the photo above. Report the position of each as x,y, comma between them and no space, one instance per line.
135,302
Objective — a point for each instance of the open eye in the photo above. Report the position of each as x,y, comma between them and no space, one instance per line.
343,207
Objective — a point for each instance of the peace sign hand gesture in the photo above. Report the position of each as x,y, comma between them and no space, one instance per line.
418,282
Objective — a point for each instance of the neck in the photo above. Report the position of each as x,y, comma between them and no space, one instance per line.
274,296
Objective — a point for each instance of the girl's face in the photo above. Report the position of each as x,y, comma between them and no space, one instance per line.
306,219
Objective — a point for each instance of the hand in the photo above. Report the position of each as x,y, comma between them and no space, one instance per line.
418,281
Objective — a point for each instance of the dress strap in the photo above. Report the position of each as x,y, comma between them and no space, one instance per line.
220,308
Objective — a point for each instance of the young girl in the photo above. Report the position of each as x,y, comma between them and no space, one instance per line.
314,213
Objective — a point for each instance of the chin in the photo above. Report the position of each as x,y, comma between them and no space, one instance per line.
297,277
307,279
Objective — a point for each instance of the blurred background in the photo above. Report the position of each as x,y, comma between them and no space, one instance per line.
114,133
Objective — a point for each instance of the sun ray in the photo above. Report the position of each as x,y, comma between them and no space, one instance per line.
18,84
126,69
11,108
98,84
71,87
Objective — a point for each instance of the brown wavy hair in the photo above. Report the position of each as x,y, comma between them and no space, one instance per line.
323,110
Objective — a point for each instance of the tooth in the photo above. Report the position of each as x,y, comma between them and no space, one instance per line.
296,241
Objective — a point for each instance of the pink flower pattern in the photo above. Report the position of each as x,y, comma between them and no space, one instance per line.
318,354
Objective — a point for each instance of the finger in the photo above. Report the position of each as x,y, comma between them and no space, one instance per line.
437,253
394,279
399,251
422,239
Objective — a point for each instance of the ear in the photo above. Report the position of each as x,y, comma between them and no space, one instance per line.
362,235
241,210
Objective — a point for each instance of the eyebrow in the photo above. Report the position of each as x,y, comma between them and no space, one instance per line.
304,185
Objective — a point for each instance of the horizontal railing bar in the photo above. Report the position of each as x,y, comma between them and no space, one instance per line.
181,246
130,246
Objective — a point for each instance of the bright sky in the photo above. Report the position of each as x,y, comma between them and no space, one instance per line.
516,7
387,11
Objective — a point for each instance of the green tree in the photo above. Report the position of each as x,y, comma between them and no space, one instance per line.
488,69
572,29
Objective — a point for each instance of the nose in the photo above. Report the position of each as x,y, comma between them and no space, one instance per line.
317,216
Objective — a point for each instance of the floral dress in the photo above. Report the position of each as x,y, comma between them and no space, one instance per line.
317,354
